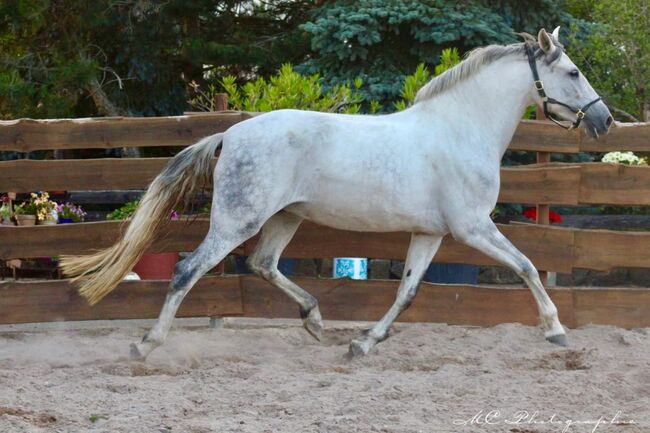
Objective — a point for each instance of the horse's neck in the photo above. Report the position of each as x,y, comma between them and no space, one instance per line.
490,103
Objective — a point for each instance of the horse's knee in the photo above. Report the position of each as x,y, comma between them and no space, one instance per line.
527,271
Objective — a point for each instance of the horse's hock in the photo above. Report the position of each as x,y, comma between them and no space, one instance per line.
551,248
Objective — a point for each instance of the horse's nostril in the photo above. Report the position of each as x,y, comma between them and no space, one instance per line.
609,121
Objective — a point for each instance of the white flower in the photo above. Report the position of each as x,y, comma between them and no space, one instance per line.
627,158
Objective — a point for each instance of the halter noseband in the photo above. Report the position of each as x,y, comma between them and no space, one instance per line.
539,86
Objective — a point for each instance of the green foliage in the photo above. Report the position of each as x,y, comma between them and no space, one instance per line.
414,82
615,52
382,42
78,58
288,89
125,212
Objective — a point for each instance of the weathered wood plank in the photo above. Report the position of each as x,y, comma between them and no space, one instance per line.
27,175
344,299
540,183
47,301
26,135
616,184
43,241
544,136
624,307
548,248
339,299
605,249
633,137
553,183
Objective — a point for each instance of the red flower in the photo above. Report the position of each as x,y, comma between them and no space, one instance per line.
531,214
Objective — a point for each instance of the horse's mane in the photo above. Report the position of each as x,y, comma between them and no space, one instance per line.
473,62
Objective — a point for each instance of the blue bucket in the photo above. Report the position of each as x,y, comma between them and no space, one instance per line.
351,267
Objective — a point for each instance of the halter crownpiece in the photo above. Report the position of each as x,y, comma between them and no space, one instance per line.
539,86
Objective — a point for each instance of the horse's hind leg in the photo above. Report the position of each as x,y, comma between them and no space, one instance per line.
421,251
212,250
276,234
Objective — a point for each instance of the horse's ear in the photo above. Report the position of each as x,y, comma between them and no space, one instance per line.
556,33
545,42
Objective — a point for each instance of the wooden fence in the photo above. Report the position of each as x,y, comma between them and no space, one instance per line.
554,249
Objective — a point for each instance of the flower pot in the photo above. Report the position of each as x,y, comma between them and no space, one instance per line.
65,221
7,222
26,220
156,266
47,223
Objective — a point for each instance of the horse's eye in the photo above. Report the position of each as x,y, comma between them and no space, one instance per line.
575,73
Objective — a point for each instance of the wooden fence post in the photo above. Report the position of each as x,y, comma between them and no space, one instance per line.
220,102
542,209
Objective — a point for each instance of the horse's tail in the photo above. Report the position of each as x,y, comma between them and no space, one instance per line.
99,273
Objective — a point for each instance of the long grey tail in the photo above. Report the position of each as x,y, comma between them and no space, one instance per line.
98,274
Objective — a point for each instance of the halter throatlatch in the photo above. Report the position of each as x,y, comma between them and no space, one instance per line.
539,86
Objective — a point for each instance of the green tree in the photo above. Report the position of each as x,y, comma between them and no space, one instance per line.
76,58
381,42
615,53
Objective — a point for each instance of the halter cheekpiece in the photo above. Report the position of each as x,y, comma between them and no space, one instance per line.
539,86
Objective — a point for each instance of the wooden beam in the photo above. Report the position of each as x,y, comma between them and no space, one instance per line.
540,183
24,135
552,183
624,307
339,299
616,184
544,136
343,299
548,248
634,137
25,175
49,301
603,250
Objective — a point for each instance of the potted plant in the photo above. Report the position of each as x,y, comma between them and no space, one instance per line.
70,213
151,266
5,211
37,210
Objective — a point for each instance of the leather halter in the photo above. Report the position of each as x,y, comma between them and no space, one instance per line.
539,86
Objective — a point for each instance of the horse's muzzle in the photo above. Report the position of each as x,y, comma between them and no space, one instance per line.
598,120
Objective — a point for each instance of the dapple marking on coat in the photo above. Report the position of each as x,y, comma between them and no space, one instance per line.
431,170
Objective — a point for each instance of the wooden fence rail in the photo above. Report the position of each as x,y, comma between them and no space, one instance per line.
550,248
24,135
553,183
340,299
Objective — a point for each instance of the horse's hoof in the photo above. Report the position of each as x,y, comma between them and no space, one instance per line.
313,323
359,348
135,354
559,339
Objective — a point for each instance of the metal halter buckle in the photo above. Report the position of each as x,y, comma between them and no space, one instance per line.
539,85
580,114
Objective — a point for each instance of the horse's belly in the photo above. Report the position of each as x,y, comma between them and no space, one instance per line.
366,218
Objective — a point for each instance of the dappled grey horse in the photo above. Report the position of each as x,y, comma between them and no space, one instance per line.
431,170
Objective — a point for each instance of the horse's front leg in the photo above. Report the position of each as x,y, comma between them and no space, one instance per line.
421,251
486,238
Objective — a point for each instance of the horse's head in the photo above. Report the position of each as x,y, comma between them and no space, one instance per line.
563,91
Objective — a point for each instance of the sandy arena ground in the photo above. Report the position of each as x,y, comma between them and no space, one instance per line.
271,376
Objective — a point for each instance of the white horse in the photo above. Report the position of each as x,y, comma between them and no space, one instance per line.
431,170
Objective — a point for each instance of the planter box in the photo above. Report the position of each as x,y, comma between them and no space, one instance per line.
156,266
